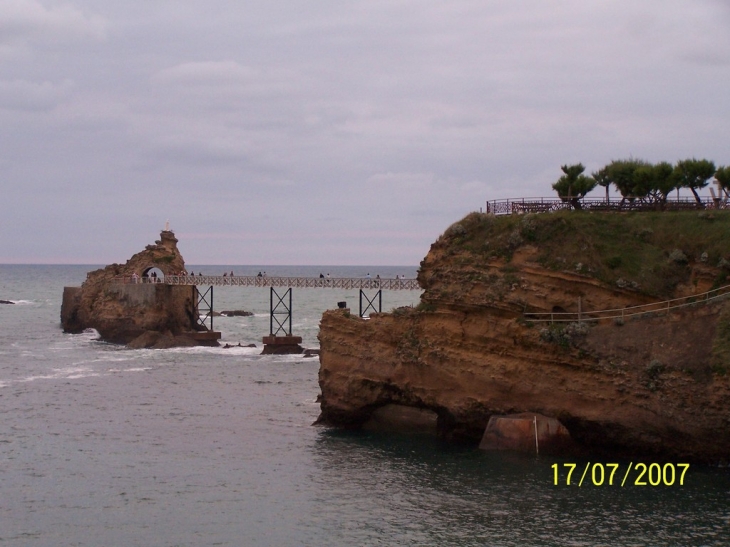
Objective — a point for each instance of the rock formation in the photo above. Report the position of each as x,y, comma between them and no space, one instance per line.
124,310
650,386
530,433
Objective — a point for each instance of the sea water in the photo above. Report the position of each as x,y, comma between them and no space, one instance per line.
105,446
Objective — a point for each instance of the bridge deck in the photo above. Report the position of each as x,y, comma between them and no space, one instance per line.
277,281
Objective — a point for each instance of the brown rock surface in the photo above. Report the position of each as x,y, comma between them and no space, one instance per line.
150,314
653,386
531,433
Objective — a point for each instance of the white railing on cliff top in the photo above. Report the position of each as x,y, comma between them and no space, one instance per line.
546,205
278,281
631,311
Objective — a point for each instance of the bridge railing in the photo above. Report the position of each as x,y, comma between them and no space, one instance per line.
545,205
283,281
631,311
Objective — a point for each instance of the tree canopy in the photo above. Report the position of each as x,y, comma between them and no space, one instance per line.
637,179
694,174
722,175
602,178
621,173
573,185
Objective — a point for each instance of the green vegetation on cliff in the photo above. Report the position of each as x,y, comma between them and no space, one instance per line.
650,252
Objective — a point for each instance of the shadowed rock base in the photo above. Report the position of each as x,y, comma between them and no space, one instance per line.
282,345
403,419
525,432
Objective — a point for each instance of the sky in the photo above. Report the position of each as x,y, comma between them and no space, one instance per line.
331,131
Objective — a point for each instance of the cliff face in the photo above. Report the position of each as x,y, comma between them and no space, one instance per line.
143,314
651,386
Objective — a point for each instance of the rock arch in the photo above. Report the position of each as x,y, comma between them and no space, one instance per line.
159,272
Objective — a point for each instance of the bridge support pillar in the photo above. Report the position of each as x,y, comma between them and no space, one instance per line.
205,306
370,303
280,340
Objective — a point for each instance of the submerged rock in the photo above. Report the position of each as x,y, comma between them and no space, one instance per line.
531,433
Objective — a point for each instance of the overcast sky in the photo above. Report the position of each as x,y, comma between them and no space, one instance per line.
331,131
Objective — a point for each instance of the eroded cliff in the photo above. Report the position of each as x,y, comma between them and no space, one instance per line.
653,385
121,303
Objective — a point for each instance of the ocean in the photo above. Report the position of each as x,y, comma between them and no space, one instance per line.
105,446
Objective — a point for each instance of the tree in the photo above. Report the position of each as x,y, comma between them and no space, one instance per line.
722,175
694,174
573,185
621,173
654,182
665,181
602,178
642,181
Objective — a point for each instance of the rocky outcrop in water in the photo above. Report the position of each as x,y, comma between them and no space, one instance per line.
654,386
125,307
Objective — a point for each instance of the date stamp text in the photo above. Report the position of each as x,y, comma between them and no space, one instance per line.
614,474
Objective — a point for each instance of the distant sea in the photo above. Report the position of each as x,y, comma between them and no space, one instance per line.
104,446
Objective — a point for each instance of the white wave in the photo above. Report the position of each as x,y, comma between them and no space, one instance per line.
113,357
22,302
131,369
66,373
220,350
40,377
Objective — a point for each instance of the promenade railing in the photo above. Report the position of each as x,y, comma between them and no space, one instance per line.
281,281
630,311
546,205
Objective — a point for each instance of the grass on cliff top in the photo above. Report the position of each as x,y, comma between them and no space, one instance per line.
650,252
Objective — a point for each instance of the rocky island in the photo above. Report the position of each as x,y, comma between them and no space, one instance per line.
650,381
122,303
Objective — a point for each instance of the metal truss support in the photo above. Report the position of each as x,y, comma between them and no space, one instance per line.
205,307
371,302
280,313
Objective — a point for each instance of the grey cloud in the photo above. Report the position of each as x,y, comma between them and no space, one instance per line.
267,118
30,20
31,96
